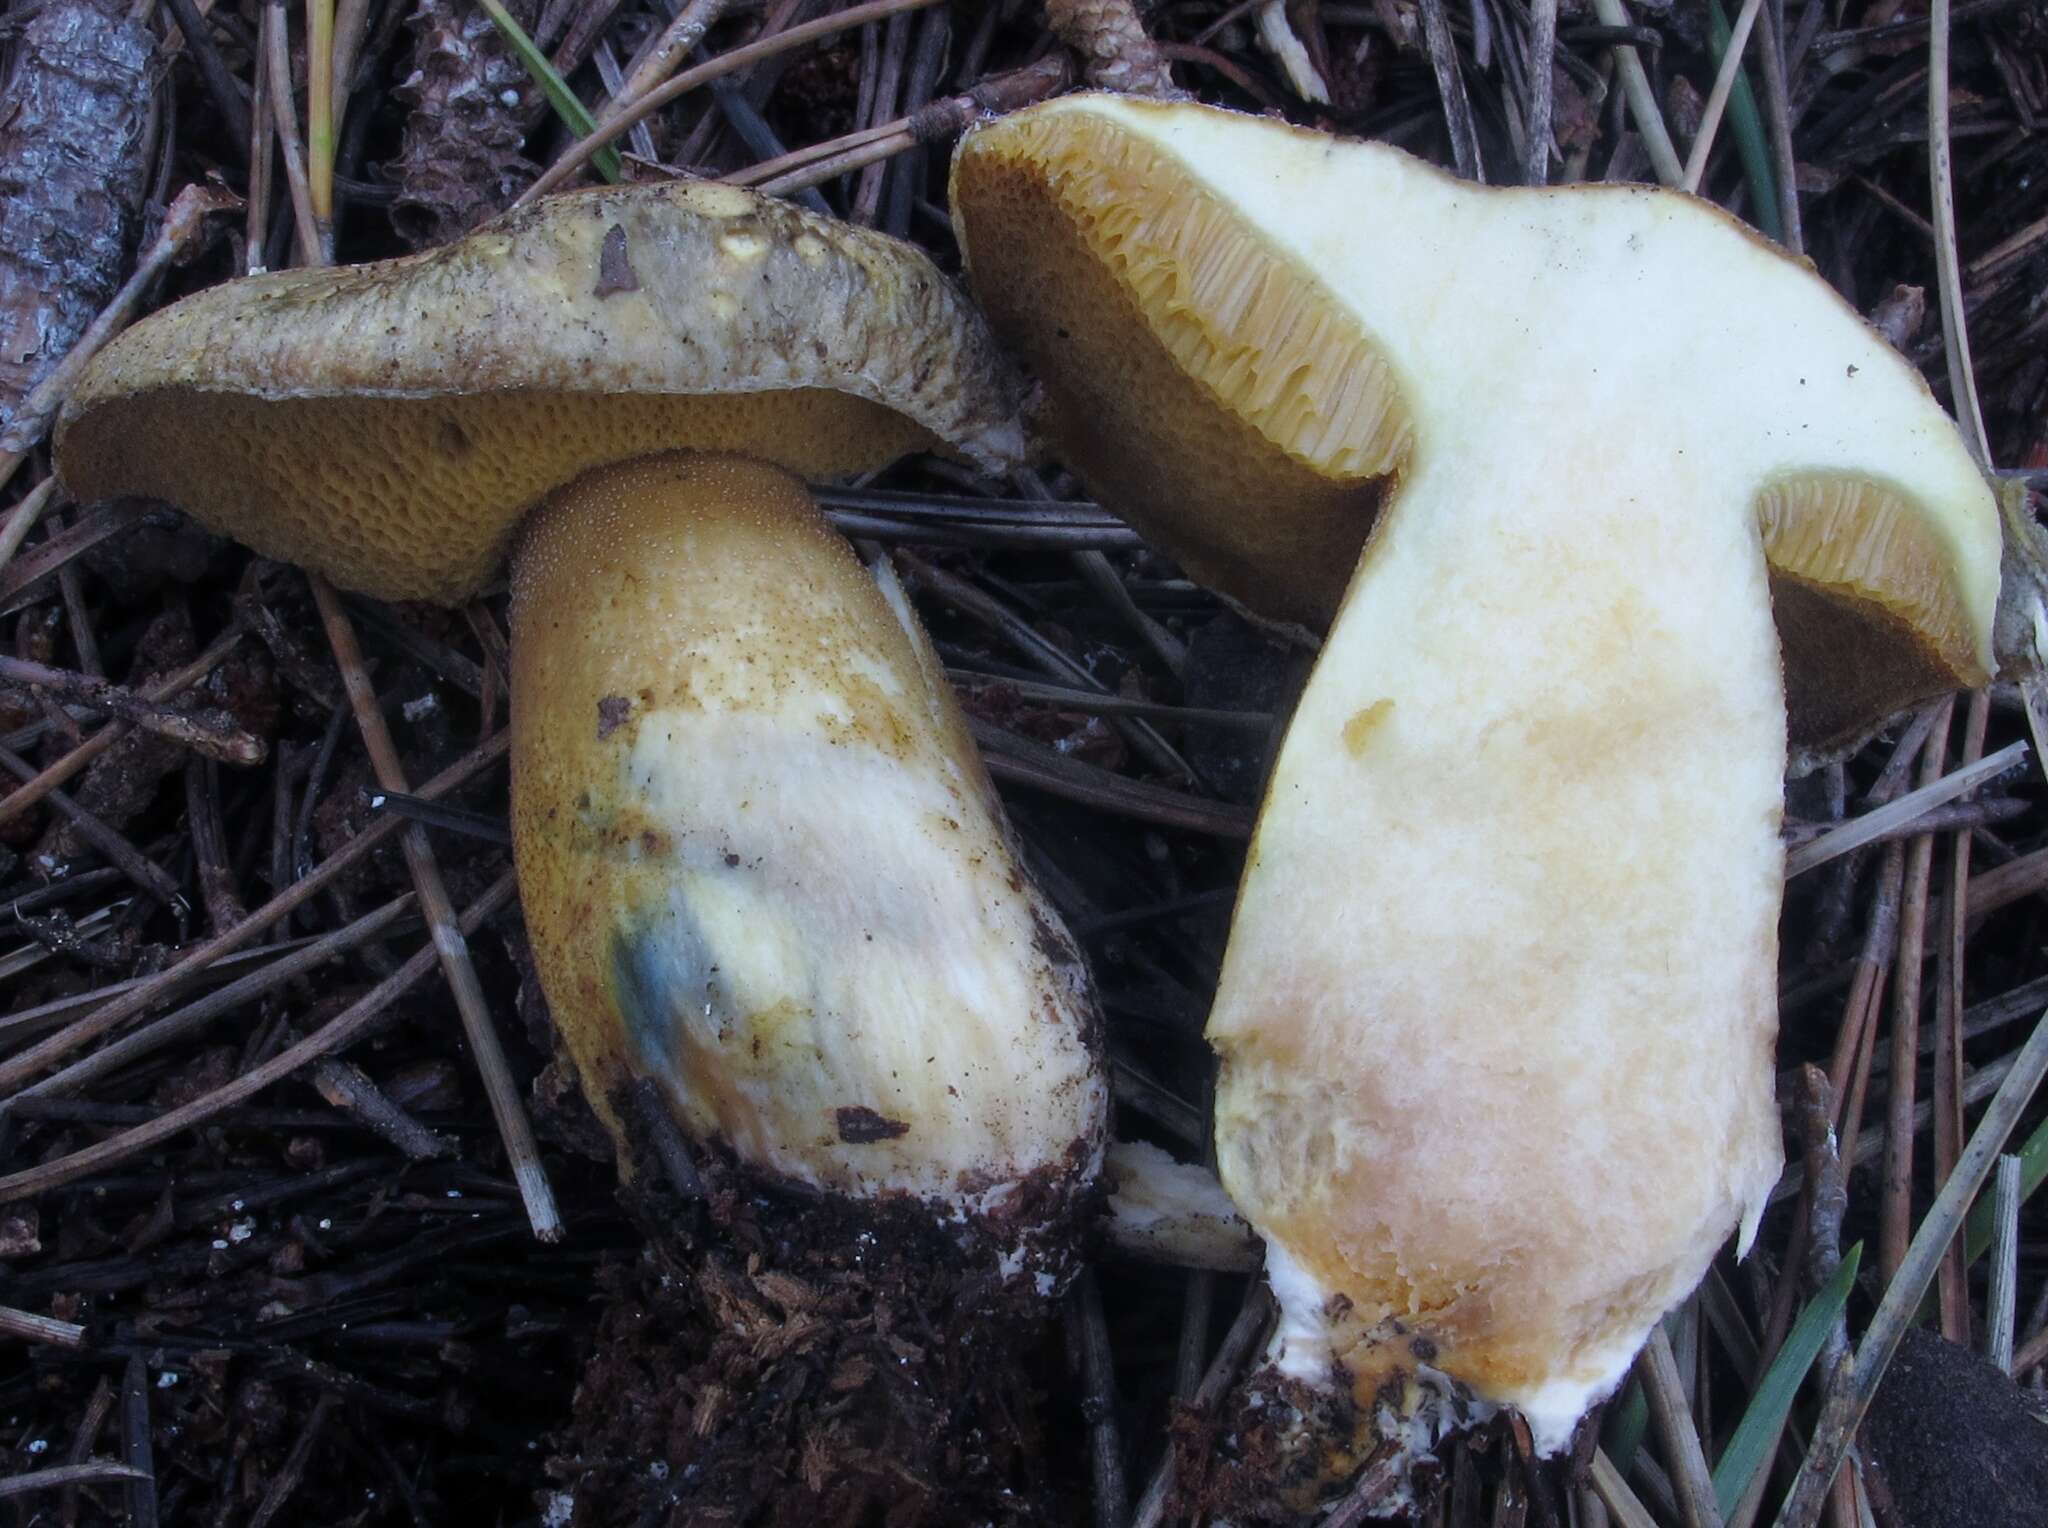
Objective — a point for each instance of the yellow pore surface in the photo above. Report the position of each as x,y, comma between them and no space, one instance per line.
388,424
1870,608
417,498
1207,389
760,859
1246,332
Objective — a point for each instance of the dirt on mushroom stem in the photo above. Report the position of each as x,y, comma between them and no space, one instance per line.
777,1356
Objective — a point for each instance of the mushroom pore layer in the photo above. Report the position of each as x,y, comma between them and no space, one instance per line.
1233,365
761,862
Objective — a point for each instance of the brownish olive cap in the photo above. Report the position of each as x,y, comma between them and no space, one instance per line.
388,425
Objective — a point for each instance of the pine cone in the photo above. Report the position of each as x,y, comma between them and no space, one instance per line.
1116,53
460,162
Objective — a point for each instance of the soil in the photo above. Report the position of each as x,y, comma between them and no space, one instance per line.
1956,1442
794,1360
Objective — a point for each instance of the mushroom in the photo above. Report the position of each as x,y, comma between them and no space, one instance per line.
1497,1013
1163,1211
761,861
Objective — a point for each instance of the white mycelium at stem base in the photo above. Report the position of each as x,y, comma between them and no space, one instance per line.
1497,1013
763,865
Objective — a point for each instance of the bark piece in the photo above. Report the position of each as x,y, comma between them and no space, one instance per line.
72,168
1957,1441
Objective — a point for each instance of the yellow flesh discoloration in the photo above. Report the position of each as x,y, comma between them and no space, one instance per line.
1523,942
759,856
1364,722
1496,1017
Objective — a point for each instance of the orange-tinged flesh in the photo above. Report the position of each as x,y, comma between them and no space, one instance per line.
1495,1022
1496,1015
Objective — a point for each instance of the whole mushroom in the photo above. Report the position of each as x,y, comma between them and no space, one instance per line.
762,864
1600,490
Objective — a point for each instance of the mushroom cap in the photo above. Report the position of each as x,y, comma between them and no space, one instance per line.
1249,335
387,425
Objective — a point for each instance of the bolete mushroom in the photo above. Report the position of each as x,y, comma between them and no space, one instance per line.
1497,1013
761,861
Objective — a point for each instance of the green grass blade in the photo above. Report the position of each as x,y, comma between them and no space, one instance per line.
1757,1435
1748,126
1621,1430
2033,1169
572,111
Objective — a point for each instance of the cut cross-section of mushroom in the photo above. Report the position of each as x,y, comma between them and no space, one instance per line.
762,866
1497,1012
1246,372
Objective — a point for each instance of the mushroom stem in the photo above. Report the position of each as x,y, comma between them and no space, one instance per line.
1541,777
764,868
